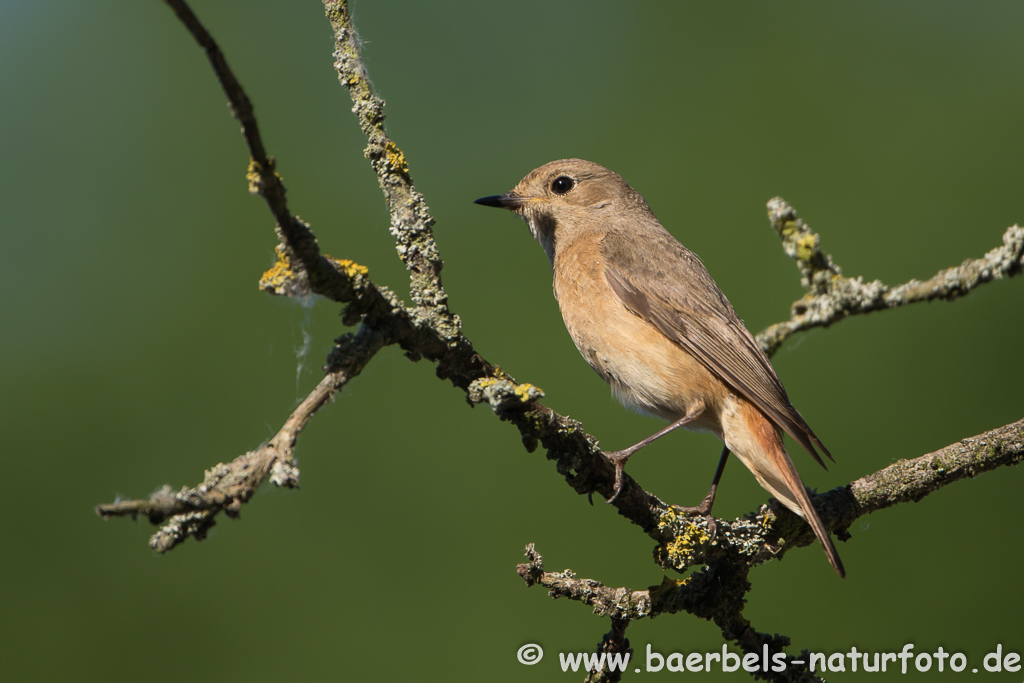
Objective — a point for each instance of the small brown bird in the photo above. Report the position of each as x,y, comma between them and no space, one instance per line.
647,316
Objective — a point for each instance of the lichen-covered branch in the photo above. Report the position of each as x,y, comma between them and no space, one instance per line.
300,269
614,642
617,603
620,604
717,591
429,330
715,594
299,253
772,531
411,222
912,480
831,296
191,511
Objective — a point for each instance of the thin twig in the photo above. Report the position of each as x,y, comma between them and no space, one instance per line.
191,511
831,297
270,185
311,271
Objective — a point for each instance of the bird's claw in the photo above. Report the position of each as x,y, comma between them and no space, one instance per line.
702,510
618,459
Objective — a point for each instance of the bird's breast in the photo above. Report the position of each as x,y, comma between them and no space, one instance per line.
647,372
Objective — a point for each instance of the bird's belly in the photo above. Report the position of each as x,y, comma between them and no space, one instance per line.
647,372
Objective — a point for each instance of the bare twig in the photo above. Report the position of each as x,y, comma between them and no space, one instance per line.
832,297
263,178
311,271
192,511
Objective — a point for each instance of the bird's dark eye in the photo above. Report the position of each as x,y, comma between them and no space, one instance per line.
562,184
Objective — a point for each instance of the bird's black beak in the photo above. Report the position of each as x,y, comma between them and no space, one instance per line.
510,201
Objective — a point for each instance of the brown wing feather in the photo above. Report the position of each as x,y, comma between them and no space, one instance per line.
675,293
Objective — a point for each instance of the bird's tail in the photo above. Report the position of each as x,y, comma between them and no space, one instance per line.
760,448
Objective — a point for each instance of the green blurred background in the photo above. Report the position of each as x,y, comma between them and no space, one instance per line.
137,350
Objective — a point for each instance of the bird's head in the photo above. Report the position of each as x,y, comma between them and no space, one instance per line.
566,198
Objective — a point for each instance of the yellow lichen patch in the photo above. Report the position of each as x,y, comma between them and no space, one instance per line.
681,550
348,266
353,81
805,247
501,392
252,176
667,519
527,391
396,159
667,585
787,228
279,276
665,588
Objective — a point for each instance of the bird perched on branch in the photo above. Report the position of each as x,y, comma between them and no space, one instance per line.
647,316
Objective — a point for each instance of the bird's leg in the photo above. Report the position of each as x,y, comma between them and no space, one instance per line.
619,458
704,508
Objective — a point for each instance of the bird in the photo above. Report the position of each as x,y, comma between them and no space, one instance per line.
647,316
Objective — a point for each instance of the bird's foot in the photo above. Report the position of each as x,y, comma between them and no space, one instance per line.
618,459
701,510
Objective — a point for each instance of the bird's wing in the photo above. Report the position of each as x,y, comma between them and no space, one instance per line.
673,291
